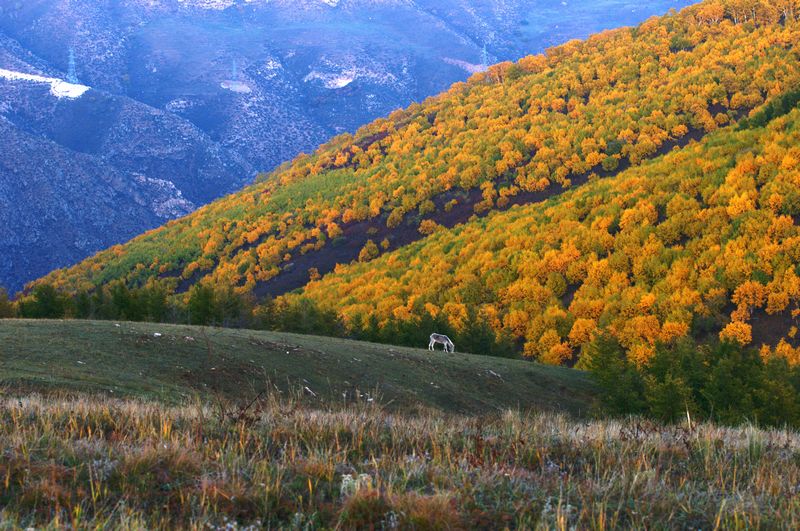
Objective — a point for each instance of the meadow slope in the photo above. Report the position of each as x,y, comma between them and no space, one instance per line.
186,362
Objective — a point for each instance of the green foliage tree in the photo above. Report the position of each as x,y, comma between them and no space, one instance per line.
723,382
736,384
265,315
7,309
368,329
83,306
780,394
46,303
202,305
674,378
305,317
669,398
621,385
156,305
232,309
478,337
101,307
127,303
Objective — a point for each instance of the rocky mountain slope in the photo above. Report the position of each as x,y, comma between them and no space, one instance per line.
82,169
184,101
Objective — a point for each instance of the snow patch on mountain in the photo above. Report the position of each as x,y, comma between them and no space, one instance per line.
58,87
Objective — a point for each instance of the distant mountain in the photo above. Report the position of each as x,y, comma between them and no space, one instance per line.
180,102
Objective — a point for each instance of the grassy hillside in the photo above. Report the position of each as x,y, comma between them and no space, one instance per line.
105,463
128,359
515,134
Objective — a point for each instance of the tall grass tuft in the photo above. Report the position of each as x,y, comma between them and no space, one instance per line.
87,463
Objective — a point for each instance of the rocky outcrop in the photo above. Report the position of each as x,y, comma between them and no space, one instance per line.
58,206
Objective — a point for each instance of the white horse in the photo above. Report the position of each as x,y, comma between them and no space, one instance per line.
444,340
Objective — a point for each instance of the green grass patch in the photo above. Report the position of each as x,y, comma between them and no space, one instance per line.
175,363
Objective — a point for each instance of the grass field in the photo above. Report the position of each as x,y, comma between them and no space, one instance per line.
101,463
175,363
144,426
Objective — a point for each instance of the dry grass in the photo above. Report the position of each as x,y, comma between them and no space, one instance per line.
94,462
